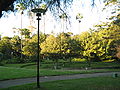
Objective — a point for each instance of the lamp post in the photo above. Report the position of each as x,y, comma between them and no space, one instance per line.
39,12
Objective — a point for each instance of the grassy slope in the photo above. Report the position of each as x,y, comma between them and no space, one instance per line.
97,83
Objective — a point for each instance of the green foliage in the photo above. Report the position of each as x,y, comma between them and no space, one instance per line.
118,52
78,60
5,47
50,45
25,32
16,46
30,49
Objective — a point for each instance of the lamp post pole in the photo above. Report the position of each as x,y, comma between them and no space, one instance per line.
38,52
39,12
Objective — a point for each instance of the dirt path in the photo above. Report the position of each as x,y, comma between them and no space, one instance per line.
15,82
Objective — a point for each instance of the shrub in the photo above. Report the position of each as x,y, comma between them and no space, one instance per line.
78,60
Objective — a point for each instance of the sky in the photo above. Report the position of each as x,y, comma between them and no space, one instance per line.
91,16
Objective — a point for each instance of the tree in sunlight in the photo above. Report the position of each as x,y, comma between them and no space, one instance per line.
16,46
30,48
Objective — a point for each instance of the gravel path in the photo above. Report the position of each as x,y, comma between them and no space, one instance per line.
15,82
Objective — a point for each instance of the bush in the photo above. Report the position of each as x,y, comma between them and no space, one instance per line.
2,63
78,60
13,60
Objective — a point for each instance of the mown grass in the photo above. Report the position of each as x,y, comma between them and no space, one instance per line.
13,73
20,65
67,65
96,65
96,83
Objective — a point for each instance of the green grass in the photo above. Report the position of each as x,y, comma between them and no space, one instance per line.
19,65
13,73
73,65
97,83
81,65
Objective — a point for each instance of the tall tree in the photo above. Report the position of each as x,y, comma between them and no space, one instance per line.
63,18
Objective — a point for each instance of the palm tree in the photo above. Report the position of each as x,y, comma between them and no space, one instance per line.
26,32
21,8
78,18
63,17
44,6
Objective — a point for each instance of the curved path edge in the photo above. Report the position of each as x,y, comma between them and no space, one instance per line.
15,82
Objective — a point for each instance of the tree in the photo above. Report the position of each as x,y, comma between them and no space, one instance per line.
16,46
118,52
109,34
50,45
79,17
30,48
6,47
6,5
63,18
25,32
50,49
74,48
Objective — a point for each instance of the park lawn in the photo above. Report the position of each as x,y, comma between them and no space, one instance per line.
66,65
13,73
20,65
81,65
96,83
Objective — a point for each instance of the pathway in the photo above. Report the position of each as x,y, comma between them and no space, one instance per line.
15,82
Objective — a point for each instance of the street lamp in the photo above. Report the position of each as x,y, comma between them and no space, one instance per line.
39,12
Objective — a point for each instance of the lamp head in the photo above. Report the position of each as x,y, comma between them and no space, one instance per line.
39,10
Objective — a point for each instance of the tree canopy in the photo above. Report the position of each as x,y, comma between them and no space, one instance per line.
6,5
